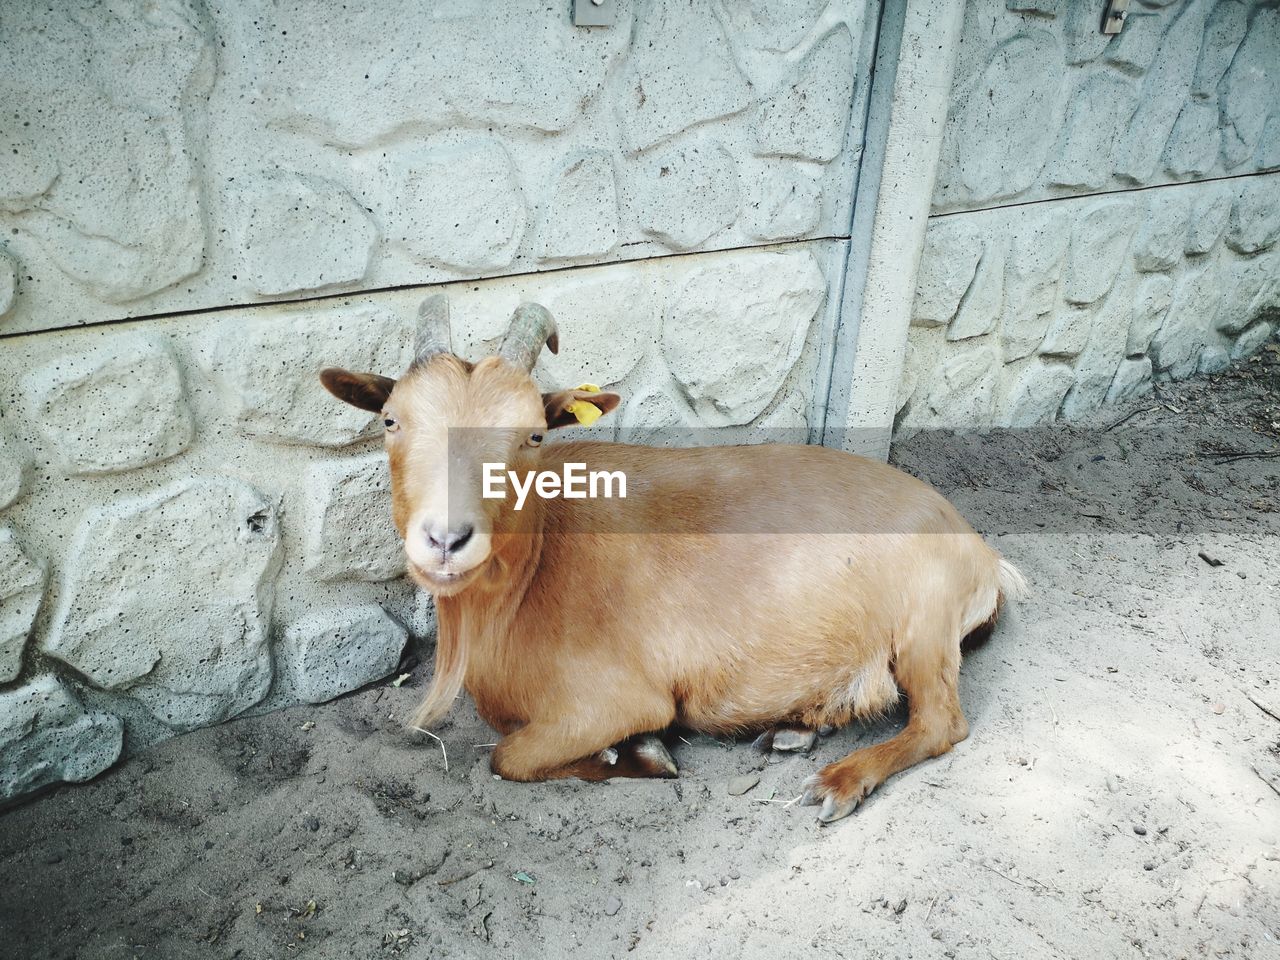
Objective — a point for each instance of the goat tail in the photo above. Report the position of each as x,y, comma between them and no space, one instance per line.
446,682
1013,585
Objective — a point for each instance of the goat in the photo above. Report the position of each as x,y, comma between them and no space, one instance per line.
735,589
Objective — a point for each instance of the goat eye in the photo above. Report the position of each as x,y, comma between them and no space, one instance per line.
390,423
535,439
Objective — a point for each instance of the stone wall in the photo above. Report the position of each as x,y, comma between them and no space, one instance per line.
1106,210
179,155
202,205
193,528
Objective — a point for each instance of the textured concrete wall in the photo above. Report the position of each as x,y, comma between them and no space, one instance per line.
193,528
1155,250
189,527
178,155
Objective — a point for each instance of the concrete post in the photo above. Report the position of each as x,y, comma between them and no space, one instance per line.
915,63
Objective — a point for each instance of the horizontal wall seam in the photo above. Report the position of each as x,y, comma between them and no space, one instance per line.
394,288
1105,193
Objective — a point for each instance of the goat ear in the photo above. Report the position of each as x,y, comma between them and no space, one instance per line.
368,391
585,405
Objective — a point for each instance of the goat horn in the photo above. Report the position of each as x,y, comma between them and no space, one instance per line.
531,327
433,328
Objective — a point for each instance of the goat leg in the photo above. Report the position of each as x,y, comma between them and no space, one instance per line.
650,754
642,756
927,669
536,752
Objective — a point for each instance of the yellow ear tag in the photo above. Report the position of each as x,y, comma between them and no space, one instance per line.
586,413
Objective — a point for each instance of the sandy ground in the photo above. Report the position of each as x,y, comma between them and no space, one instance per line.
1119,795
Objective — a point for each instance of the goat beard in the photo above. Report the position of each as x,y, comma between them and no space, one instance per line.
450,668
511,562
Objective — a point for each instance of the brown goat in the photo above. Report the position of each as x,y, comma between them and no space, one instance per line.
734,589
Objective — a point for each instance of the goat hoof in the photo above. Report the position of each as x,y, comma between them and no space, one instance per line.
833,809
839,795
651,752
786,739
795,741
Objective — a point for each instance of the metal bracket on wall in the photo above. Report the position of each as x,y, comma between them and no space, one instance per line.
1114,17
594,13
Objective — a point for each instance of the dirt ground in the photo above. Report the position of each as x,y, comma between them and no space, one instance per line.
1119,795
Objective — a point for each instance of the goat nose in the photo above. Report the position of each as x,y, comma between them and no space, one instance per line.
449,541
